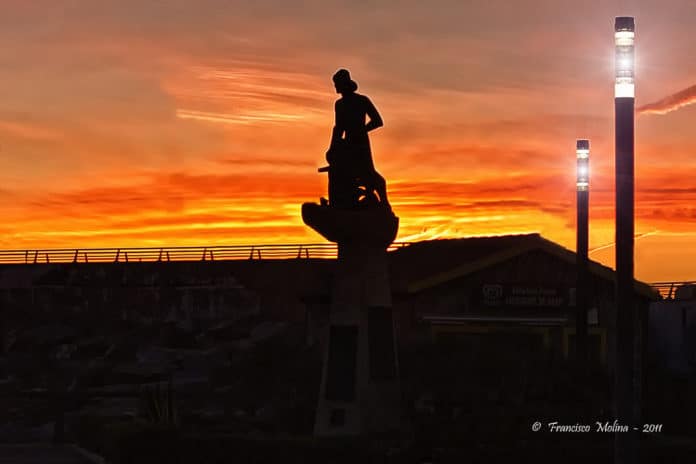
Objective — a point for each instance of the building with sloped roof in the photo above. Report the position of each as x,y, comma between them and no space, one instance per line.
515,286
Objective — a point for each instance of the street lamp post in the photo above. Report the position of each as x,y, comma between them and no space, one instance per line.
624,103
583,183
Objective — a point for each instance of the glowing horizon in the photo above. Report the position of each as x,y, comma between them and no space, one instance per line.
128,125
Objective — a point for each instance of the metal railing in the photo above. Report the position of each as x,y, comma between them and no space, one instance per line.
668,290
212,253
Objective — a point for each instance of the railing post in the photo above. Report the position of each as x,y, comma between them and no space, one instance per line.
159,258
212,258
203,257
251,255
299,252
85,255
75,257
36,256
26,257
118,253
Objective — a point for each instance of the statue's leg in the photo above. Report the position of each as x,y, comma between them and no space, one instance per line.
381,186
333,196
341,188
374,182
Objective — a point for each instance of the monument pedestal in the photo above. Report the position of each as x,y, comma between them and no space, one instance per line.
360,390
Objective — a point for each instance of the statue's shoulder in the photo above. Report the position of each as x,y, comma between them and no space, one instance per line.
352,98
364,100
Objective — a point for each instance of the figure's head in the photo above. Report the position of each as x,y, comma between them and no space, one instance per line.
343,83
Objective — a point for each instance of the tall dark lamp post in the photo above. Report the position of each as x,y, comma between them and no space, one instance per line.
626,444
583,183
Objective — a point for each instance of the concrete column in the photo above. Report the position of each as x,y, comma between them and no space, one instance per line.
359,391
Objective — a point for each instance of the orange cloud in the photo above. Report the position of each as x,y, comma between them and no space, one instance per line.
28,131
670,103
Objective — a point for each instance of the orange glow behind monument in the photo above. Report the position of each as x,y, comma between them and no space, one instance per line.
126,126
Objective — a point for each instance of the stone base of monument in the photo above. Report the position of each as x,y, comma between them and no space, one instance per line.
360,391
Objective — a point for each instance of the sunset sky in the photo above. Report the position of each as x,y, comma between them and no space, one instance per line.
163,123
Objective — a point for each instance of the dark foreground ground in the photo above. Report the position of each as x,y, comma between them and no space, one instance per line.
245,391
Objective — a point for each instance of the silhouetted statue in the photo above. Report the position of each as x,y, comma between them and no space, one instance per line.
357,213
359,392
353,179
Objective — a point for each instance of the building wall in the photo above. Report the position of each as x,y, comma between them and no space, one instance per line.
188,290
672,326
461,296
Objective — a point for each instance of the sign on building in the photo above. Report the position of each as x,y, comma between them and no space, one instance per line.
527,296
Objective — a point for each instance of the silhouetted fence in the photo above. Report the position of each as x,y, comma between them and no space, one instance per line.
668,290
213,253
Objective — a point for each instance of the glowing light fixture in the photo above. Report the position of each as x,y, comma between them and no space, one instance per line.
624,37
583,172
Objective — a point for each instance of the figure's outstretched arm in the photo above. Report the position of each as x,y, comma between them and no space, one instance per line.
375,118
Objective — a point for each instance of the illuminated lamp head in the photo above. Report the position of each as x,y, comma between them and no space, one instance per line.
583,156
624,38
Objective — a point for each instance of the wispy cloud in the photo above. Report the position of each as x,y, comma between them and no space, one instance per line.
670,103
231,94
636,237
26,130
228,118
